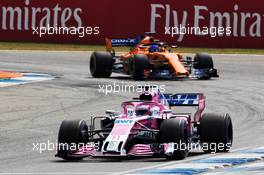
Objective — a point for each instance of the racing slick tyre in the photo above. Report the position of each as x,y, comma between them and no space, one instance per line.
72,134
137,65
216,132
101,64
175,130
203,61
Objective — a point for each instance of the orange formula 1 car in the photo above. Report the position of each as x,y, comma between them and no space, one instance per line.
149,58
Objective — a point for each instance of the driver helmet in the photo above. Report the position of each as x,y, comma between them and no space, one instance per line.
154,48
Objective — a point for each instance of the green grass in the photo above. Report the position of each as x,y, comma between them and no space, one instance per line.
79,47
47,46
222,51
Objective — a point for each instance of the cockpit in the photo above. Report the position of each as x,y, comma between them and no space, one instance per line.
149,103
154,47
138,108
142,110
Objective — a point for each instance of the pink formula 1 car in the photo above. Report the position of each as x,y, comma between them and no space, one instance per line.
147,127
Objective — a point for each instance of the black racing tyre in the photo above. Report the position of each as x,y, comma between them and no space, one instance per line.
175,130
203,61
137,65
101,64
216,132
72,134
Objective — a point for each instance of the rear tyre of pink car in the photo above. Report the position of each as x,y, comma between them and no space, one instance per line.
175,130
72,134
216,132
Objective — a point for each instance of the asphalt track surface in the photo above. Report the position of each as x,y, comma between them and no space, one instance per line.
32,113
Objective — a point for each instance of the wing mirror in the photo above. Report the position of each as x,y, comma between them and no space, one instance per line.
174,46
167,111
112,113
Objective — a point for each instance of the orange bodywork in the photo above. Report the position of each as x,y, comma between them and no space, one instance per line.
173,59
8,75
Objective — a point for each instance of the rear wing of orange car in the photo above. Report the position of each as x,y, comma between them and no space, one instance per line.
110,43
130,42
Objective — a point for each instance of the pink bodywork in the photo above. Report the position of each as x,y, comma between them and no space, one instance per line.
125,126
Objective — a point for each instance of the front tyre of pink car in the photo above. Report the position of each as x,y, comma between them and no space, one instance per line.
72,134
175,130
